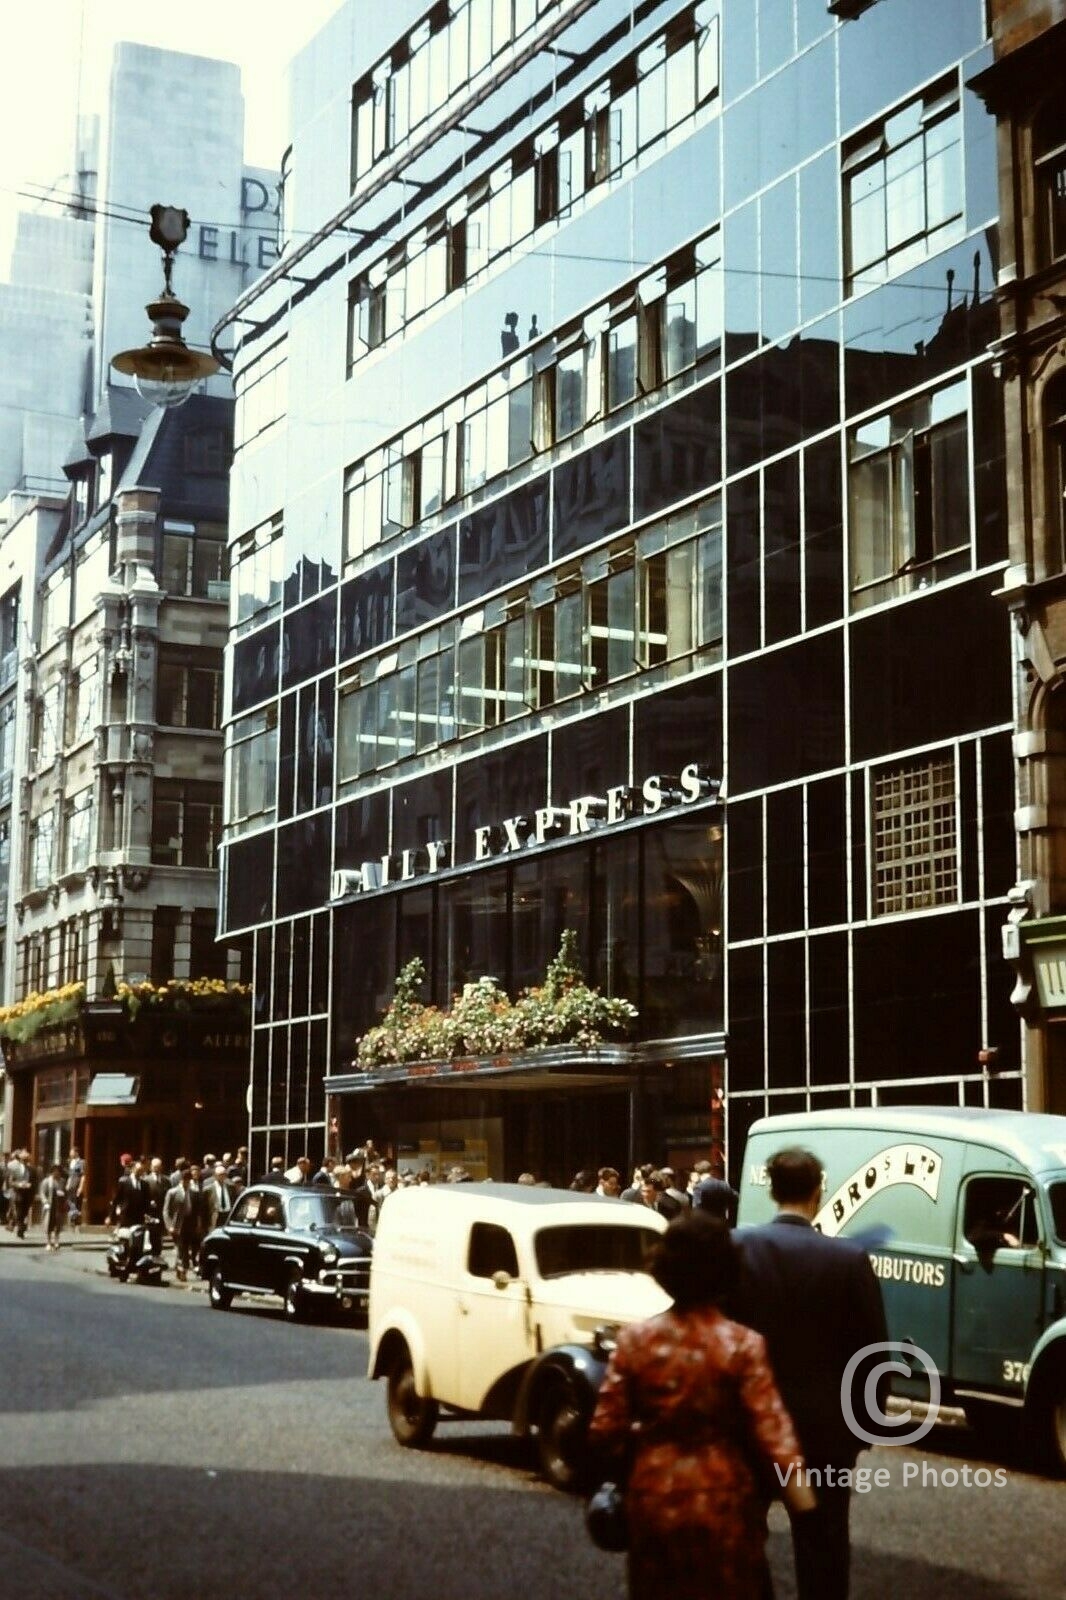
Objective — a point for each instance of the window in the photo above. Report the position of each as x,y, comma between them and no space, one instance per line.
610,622
45,734
909,497
186,823
1055,437
915,837
7,737
194,560
252,771
164,937
903,186
492,1250
207,958
1000,1213
256,575
262,396
1049,160
188,689
208,452
55,607
79,827
42,832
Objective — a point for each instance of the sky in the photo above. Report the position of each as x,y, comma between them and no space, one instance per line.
58,52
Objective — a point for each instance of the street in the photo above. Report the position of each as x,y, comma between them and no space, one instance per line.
153,1447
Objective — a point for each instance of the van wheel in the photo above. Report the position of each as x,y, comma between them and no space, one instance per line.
1047,1420
220,1296
412,1418
560,1434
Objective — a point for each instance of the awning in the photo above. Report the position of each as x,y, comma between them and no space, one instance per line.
113,1089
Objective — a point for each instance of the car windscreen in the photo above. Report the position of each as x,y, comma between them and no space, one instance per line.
591,1247
321,1211
1057,1196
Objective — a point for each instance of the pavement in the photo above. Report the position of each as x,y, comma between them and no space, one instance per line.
86,1249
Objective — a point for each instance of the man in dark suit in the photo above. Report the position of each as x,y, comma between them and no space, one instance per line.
816,1302
130,1202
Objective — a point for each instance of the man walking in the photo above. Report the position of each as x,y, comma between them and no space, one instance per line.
181,1217
817,1303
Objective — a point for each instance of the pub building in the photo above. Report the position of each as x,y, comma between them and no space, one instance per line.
615,525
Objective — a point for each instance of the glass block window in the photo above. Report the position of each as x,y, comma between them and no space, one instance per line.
915,837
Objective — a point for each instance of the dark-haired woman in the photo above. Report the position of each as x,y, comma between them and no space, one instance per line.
690,1404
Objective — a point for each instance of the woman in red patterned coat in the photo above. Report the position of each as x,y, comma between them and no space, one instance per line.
689,1402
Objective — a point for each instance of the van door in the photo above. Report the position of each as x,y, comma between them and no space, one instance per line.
998,1282
495,1323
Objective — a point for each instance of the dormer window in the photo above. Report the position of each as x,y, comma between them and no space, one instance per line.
103,479
1049,162
81,499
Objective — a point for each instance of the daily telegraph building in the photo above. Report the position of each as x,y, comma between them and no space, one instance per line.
615,526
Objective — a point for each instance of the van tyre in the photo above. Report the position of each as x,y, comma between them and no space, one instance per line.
1046,1418
220,1296
560,1434
412,1417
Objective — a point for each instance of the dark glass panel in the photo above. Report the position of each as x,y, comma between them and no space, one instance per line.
779,278
1004,1024
320,962
968,818
364,969
990,467
859,865
422,811
784,861
826,852
309,644
823,538
255,667
782,397
781,549
287,757
917,996
746,1010
549,896
260,1077
318,1066
956,640
997,804
307,741
892,48
474,929
907,332
681,992
591,495
786,1009
503,542
414,933
744,844
320,747
362,830
615,918
677,726
743,565
590,756
298,1073
425,580
741,281
828,1011
304,864
249,881
301,965
282,971
1005,1094
263,970
366,612
279,1075
507,783
678,451
786,713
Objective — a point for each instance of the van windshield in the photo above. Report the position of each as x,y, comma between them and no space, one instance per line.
1057,1196
599,1248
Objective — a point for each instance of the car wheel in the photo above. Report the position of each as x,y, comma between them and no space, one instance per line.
295,1303
220,1296
560,1434
411,1417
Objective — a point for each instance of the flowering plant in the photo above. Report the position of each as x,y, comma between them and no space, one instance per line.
483,1021
40,1010
27,1017
178,993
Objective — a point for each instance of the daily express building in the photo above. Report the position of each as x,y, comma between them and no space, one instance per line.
615,526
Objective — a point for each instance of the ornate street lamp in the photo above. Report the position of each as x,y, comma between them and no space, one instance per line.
165,371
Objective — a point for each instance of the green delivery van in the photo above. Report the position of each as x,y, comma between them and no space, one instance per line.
963,1215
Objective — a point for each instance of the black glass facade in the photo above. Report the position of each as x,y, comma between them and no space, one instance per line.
707,473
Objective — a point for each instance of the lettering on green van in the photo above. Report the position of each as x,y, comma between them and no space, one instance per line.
897,1163
906,1269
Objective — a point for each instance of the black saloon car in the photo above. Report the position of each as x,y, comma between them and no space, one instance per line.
302,1243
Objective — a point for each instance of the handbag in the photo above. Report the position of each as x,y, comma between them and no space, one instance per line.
605,1518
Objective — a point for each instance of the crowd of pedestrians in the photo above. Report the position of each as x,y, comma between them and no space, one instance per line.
60,1191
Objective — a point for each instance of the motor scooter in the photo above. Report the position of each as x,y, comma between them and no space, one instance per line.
136,1252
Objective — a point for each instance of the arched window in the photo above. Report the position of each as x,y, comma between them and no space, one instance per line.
1055,445
1049,161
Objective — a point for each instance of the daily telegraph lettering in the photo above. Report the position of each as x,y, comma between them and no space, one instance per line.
580,816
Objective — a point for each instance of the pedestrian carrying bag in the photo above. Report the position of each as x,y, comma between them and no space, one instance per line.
605,1518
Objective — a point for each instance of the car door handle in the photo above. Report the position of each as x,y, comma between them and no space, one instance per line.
464,1309
965,1263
